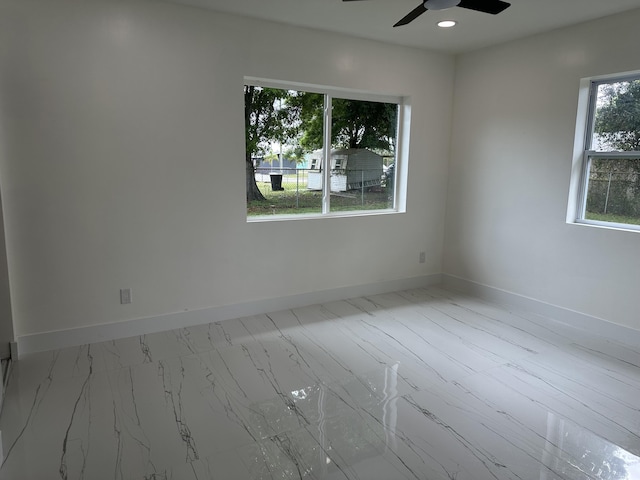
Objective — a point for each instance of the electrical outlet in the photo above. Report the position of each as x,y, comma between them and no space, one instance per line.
125,296
423,257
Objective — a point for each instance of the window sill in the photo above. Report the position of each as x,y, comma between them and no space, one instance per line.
314,216
624,227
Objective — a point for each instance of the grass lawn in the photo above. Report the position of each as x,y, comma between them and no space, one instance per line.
306,201
606,217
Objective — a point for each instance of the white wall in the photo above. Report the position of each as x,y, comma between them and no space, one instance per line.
122,161
512,148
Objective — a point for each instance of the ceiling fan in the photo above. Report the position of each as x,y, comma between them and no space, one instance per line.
487,6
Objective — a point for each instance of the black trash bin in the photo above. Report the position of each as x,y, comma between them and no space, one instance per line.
276,182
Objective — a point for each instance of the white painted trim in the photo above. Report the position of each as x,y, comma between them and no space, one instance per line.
288,217
98,333
335,92
553,313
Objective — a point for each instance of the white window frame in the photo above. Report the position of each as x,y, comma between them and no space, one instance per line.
583,154
401,154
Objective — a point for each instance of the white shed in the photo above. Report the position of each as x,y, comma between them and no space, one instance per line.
351,169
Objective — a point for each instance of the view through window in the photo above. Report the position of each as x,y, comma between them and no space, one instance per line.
287,133
611,178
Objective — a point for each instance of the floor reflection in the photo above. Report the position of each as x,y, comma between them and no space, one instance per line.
337,432
574,453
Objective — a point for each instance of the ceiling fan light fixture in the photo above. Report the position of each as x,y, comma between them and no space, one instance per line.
492,7
440,4
447,23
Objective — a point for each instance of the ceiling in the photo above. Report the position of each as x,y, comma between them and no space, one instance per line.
374,19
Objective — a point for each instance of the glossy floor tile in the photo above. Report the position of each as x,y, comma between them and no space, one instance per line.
423,384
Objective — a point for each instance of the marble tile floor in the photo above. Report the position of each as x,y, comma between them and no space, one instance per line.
423,384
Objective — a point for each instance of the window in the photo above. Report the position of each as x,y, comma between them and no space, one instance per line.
356,135
610,183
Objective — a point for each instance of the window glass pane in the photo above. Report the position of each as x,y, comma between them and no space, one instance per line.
283,173
616,125
363,141
285,165
613,190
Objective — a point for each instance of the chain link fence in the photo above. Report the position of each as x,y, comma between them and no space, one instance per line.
299,190
614,187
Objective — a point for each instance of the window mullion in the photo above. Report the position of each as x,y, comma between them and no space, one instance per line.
326,155
612,155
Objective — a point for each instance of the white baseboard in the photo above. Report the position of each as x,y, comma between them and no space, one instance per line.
40,342
573,318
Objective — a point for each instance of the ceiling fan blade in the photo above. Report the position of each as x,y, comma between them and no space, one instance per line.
411,16
487,6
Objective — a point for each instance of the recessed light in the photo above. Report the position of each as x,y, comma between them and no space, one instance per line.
447,23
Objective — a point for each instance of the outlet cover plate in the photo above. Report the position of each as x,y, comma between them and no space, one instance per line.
125,296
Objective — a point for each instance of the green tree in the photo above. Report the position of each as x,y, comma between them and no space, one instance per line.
355,123
358,124
308,108
266,120
617,121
